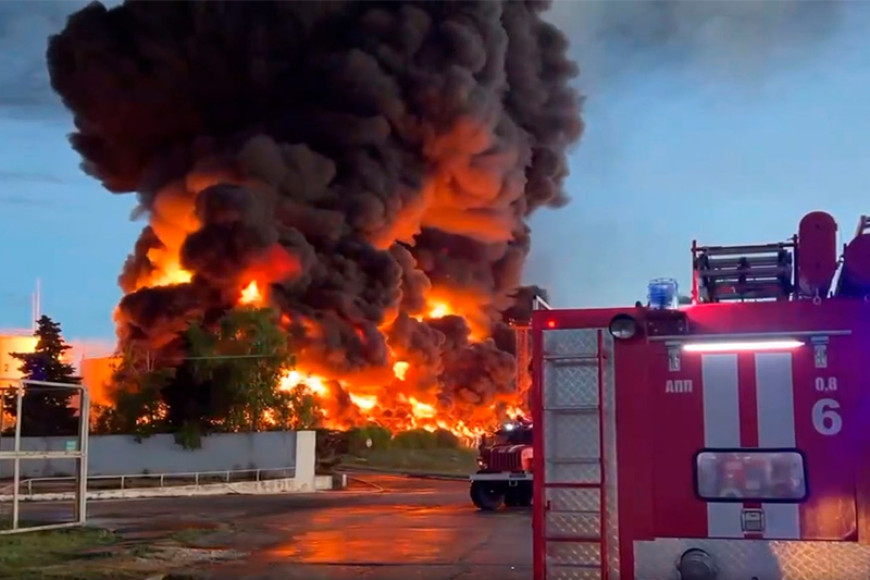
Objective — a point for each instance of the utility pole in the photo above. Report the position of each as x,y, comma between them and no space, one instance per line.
35,305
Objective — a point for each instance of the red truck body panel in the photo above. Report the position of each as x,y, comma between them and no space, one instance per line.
805,410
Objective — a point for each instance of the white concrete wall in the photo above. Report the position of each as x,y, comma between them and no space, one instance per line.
306,460
122,455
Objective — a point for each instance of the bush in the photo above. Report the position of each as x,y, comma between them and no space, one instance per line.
357,438
415,439
446,439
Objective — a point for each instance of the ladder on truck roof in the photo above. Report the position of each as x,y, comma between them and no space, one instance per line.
570,500
740,273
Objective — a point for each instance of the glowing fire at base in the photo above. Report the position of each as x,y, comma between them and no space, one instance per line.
389,403
399,412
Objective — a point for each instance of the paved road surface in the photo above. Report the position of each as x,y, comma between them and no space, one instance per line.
414,530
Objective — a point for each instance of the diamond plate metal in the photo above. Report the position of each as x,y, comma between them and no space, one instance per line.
573,525
572,436
565,499
570,384
572,573
574,383
567,472
573,554
610,460
571,342
762,559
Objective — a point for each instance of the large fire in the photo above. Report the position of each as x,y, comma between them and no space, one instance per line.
392,401
375,191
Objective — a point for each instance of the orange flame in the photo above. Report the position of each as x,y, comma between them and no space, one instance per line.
168,272
251,294
393,396
400,369
438,310
395,400
395,411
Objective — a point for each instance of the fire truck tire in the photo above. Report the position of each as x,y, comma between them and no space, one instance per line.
487,496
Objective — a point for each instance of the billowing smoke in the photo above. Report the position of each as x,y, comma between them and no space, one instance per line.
371,164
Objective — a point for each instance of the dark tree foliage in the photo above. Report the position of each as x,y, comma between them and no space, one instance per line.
137,406
46,410
233,372
227,382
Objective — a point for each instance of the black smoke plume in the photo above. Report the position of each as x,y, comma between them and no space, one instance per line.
384,153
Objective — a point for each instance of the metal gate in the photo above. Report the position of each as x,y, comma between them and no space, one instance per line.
575,520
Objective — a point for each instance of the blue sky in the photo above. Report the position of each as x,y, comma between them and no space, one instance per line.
672,152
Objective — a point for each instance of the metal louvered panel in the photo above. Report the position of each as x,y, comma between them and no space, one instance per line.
500,459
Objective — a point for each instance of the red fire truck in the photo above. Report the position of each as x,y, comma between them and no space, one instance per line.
504,467
724,438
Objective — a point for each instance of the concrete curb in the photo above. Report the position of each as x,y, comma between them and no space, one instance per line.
437,476
272,486
411,474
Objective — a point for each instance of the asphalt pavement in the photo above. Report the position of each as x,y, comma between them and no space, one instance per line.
383,528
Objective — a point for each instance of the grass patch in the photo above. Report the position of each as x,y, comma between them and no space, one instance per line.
459,461
20,553
190,535
196,534
97,554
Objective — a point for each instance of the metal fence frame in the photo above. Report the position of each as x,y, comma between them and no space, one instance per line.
195,476
80,454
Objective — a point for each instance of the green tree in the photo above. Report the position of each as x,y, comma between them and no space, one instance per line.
46,411
137,398
242,361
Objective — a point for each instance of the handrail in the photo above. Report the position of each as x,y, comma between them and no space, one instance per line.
196,475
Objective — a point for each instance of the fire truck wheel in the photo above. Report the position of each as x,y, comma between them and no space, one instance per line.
487,496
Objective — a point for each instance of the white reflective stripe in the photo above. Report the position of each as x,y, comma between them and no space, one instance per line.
721,403
775,395
721,429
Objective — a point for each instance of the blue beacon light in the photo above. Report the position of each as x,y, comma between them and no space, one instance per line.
663,293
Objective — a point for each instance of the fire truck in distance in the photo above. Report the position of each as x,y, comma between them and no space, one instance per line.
504,467
504,461
724,439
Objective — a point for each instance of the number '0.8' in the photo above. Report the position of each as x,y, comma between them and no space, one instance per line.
826,385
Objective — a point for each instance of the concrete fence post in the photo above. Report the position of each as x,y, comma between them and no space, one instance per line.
306,443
